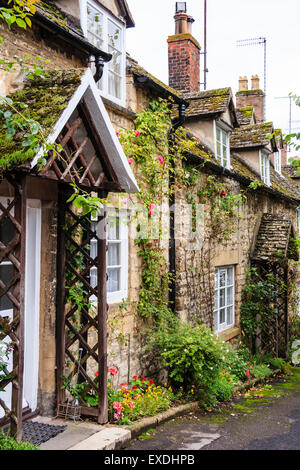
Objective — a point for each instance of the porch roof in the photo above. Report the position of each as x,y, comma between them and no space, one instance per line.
50,100
274,238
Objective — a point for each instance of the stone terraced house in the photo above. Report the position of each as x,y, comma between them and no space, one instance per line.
91,90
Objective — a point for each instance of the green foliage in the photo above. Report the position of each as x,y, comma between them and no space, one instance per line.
260,371
193,355
9,443
4,355
259,308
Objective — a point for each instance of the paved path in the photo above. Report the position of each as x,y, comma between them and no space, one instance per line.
266,419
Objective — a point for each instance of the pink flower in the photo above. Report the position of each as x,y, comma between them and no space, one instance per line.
131,404
117,406
137,133
151,209
117,132
161,160
113,371
130,161
247,373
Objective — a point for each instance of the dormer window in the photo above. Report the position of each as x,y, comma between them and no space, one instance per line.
277,161
108,34
264,167
222,146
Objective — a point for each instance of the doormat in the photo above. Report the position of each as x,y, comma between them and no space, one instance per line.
37,433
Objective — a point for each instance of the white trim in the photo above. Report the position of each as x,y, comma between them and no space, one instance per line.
118,296
32,302
120,24
277,161
224,326
89,91
264,163
223,128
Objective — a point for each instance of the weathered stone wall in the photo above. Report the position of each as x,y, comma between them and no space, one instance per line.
195,268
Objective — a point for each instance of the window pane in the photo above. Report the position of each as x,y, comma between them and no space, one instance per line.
229,316
229,276
95,26
114,35
113,228
222,315
115,64
229,295
218,132
224,138
222,297
114,85
113,254
6,275
222,278
113,282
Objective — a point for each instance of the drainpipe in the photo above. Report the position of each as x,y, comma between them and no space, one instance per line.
99,64
172,248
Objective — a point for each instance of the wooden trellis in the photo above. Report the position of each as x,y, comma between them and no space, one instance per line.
272,336
82,320
12,329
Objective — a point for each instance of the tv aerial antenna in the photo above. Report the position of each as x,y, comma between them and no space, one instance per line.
255,42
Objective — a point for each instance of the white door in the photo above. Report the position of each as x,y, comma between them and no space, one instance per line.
32,298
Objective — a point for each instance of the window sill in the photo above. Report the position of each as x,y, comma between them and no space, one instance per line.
230,333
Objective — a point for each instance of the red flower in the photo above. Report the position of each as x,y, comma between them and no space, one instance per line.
134,387
113,371
151,381
96,373
135,377
230,340
247,373
137,133
223,193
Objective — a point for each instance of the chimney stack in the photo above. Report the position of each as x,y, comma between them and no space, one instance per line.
254,97
184,53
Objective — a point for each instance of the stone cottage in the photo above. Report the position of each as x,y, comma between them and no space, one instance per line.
69,289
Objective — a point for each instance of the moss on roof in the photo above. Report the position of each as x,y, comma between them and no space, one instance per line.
250,92
208,102
252,135
184,37
139,71
245,115
50,10
45,98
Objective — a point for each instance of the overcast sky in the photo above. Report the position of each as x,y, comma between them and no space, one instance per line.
227,22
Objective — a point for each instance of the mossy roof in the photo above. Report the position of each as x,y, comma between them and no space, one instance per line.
290,171
245,115
252,135
45,100
50,10
273,237
208,102
282,186
138,71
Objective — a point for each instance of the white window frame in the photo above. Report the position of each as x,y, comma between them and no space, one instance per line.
277,161
103,84
226,132
264,165
122,293
219,327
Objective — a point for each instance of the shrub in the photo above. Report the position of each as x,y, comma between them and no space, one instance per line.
9,443
194,356
260,371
